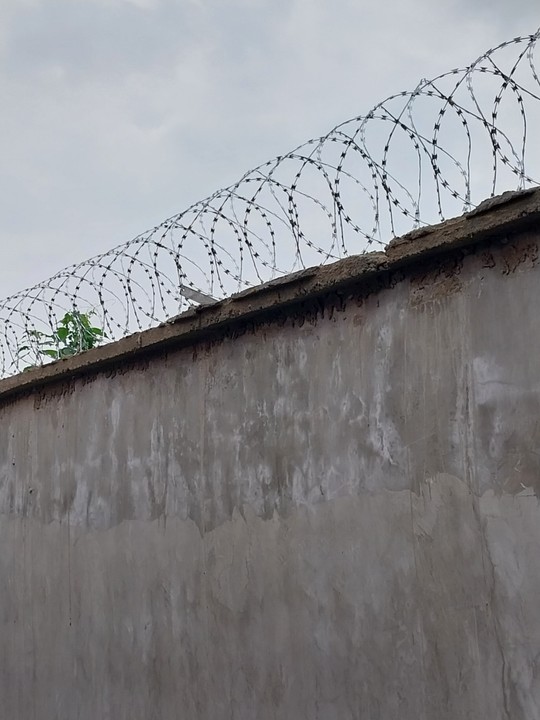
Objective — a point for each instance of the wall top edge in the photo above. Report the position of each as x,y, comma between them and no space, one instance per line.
506,215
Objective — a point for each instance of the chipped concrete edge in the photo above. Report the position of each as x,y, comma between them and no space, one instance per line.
506,215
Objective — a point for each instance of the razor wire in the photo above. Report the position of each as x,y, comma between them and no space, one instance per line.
416,158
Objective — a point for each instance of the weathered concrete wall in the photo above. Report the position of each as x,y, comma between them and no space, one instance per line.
330,515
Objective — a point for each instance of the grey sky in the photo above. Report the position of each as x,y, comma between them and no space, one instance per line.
119,113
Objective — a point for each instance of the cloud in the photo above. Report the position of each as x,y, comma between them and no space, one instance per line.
118,113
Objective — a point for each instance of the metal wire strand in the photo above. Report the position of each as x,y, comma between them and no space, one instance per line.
416,158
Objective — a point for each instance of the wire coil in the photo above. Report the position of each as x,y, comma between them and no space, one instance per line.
416,158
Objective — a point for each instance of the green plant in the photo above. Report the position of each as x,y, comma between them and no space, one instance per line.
73,334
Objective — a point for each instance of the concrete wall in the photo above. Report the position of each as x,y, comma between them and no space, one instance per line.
327,514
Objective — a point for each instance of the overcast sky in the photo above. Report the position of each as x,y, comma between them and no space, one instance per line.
118,113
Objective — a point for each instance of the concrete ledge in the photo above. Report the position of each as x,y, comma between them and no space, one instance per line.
507,215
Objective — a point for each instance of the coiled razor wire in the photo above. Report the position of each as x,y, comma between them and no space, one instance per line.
416,158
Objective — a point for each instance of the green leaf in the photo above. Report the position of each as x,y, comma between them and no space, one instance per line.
73,334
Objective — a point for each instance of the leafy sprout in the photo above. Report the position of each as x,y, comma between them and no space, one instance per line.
74,333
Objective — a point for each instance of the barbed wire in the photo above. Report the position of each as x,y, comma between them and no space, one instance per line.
416,158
